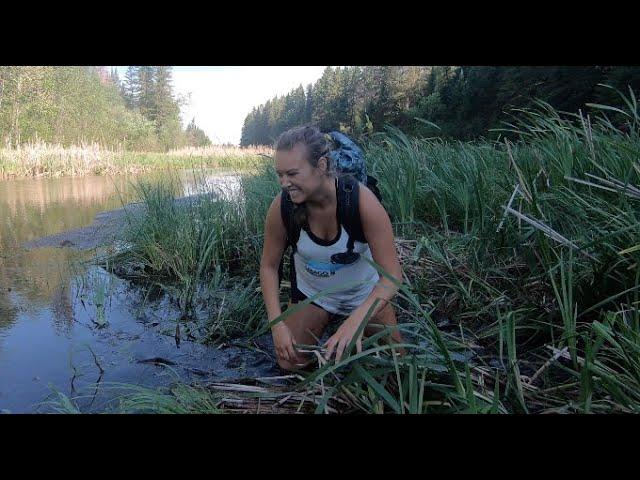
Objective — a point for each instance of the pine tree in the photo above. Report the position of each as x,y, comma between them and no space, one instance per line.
147,98
165,108
114,78
132,87
465,103
308,105
196,136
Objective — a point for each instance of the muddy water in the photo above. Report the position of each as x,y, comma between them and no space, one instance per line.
67,326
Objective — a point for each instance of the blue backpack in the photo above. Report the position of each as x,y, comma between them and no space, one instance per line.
348,157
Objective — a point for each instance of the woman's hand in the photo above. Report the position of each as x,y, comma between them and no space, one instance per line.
283,341
344,335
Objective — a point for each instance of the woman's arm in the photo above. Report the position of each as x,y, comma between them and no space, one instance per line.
275,241
379,234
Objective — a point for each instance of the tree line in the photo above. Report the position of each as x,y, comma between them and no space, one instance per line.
457,102
81,104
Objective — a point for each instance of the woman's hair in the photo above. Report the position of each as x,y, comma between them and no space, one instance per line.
317,145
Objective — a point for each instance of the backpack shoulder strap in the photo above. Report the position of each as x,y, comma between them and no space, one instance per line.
372,184
286,212
349,208
293,234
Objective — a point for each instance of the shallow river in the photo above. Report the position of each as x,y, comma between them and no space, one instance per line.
68,326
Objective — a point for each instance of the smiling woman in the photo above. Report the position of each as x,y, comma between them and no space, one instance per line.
325,254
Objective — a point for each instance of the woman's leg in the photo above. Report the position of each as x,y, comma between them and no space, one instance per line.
306,325
385,318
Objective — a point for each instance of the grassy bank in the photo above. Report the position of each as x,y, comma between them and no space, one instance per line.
46,160
521,258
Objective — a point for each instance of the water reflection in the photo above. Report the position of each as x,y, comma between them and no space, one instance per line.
52,306
34,208
226,185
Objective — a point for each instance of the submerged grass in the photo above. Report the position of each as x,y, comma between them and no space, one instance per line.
232,310
180,398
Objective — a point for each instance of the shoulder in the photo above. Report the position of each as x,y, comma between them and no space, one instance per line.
276,202
372,214
274,223
368,199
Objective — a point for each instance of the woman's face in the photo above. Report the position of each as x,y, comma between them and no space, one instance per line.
297,175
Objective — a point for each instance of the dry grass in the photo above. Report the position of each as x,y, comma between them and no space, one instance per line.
261,395
221,151
43,159
39,159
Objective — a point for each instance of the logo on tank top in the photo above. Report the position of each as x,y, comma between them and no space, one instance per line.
322,269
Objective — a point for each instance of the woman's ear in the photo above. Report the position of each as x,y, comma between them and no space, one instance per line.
323,164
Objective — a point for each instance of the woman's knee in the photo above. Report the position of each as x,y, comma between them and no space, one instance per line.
286,365
293,366
385,319
307,323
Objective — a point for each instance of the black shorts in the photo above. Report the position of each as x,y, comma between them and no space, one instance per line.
298,296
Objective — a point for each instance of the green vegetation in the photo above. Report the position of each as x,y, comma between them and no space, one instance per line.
521,258
461,103
70,105
203,250
180,399
65,120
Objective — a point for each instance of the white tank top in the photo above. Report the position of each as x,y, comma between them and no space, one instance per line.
315,272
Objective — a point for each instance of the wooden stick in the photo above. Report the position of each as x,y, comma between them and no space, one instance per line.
558,354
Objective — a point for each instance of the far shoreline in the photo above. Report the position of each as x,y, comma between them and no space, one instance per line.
55,161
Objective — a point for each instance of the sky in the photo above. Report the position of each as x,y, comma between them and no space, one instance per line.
222,97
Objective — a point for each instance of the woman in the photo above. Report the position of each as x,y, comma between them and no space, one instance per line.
306,177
